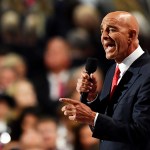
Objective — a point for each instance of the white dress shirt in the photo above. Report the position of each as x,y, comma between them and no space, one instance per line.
125,64
54,82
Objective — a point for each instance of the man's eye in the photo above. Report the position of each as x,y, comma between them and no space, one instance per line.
112,30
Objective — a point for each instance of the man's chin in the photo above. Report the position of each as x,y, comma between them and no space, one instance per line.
109,57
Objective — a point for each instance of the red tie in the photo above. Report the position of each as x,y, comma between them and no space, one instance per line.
115,81
61,89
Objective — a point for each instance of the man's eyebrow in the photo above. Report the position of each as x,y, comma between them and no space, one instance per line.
109,26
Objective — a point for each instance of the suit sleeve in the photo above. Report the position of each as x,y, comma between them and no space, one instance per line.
136,129
97,105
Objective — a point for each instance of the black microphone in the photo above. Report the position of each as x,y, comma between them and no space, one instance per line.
90,67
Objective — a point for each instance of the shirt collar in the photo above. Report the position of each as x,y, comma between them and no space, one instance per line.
63,76
126,63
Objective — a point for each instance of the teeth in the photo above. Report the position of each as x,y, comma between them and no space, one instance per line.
109,48
111,44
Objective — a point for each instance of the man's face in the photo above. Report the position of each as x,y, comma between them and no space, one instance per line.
115,37
48,132
57,55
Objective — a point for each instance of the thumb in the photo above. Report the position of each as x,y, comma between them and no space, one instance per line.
93,78
91,75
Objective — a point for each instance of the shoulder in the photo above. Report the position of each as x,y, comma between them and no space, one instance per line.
142,64
145,64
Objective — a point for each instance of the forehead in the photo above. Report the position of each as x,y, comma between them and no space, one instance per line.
113,20
106,23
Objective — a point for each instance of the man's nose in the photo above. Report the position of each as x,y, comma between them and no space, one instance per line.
104,35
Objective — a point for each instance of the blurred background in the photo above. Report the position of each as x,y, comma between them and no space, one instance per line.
44,45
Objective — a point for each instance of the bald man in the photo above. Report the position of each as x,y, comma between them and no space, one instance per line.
120,116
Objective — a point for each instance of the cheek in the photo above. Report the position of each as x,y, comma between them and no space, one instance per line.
115,36
119,39
101,39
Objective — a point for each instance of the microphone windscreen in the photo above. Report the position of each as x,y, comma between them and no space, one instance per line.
91,65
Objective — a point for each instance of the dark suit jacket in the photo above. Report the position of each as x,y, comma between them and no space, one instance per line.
42,89
123,122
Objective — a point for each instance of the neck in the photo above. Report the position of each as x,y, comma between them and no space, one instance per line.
132,47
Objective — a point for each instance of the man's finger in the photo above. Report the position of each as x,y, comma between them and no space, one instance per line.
69,101
72,117
68,107
63,108
84,75
93,78
69,113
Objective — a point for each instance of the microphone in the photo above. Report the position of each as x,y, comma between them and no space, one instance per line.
90,67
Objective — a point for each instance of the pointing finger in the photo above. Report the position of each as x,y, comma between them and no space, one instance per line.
69,101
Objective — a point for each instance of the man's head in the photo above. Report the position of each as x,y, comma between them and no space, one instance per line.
119,35
57,56
47,128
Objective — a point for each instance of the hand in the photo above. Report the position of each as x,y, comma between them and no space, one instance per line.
78,111
88,84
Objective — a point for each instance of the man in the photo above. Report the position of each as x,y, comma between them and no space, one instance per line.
48,130
54,80
121,117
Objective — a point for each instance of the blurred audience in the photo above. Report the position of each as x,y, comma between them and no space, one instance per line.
65,138
12,146
53,134
47,128
29,118
85,36
10,27
52,84
7,104
25,122
7,77
86,16
24,95
34,23
3,54
84,139
81,45
31,140
16,62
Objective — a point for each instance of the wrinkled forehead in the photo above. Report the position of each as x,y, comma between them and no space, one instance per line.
114,20
109,21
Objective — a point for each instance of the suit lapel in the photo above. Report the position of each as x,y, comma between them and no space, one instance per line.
124,87
125,84
107,84
129,78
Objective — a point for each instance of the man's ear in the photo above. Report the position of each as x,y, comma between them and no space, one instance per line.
132,35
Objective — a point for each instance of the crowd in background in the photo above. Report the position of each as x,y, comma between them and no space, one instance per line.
44,45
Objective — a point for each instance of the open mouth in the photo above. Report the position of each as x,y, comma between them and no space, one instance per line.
109,46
